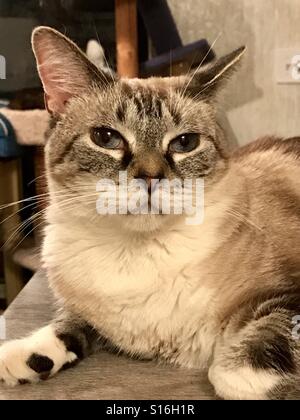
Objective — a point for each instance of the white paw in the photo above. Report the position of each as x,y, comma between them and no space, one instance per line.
33,358
243,383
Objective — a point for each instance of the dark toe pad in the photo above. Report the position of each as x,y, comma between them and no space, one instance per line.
39,363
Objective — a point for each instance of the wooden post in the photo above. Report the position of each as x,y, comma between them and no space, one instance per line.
10,188
126,37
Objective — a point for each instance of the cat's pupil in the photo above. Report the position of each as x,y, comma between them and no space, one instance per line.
107,136
184,141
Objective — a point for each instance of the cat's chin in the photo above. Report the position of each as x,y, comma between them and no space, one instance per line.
144,223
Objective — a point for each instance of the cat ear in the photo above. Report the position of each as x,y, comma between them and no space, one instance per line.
207,81
64,69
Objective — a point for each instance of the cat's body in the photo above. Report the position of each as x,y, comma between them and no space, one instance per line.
220,295
169,293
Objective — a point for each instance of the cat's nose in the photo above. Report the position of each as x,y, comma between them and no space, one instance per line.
149,166
149,176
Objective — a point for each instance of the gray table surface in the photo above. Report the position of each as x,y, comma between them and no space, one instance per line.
101,376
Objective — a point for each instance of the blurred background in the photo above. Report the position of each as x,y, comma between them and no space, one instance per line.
263,99
140,38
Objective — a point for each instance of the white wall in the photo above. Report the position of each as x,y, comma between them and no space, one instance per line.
256,105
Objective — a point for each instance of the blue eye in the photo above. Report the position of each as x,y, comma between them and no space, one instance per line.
185,143
107,138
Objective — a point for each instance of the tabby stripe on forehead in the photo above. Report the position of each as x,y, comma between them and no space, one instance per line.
139,105
147,102
121,111
68,147
158,108
152,105
176,116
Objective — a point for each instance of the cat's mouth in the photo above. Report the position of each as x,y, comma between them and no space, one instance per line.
142,222
158,213
149,201
138,201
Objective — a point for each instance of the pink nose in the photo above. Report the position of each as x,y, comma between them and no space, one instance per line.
147,176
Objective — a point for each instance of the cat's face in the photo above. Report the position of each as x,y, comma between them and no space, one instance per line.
153,129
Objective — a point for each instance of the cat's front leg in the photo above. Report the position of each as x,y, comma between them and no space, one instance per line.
48,350
258,357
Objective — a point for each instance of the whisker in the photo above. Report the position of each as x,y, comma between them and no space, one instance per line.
202,61
243,218
19,243
58,205
43,196
18,231
16,212
36,178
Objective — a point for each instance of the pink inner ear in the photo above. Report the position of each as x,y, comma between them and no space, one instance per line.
55,103
64,70
56,69
55,87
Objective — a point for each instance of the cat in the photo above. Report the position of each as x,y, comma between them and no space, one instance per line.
221,295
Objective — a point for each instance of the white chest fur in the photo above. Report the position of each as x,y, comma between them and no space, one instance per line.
149,296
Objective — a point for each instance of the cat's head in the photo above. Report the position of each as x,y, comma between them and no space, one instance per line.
156,128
